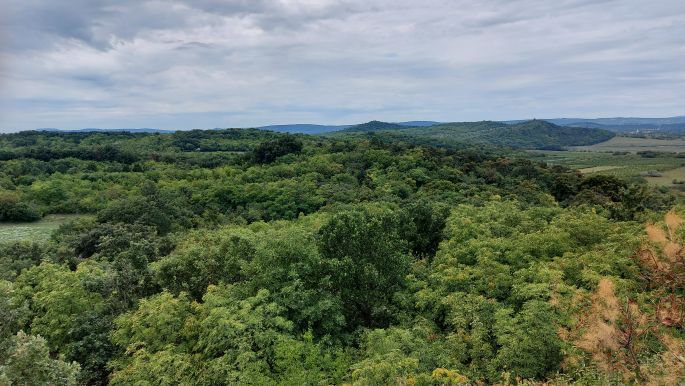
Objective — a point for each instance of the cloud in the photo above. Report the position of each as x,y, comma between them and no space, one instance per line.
207,63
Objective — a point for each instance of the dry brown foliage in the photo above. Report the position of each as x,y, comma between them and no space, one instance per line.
664,265
673,222
600,337
611,331
670,369
656,234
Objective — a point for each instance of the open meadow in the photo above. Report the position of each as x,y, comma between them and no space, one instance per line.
34,231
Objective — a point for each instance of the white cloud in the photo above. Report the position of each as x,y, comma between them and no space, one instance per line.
240,63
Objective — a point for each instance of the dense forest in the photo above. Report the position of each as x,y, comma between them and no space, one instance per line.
248,257
534,134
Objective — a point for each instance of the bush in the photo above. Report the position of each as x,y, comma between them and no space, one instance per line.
12,209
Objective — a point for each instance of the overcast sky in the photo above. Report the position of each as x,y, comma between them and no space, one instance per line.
237,63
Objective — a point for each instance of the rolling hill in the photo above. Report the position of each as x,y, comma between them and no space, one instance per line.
375,126
304,128
535,134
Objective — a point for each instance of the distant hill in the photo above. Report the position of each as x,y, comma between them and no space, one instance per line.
677,128
539,134
619,121
375,126
304,128
95,130
674,125
535,134
418,123
625,125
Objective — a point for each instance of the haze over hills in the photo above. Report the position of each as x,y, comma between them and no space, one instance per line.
621,124
672,125
320,129
295,128
375,126
619,121
304,128
615,124
97,130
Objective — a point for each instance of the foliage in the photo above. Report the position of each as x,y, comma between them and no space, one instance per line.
28,362
12,209
535,134
368,262
252,257
268,151
20,255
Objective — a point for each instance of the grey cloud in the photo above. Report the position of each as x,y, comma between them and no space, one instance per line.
35,24
184,64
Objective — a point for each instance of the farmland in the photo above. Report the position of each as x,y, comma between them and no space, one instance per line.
619,157
632,144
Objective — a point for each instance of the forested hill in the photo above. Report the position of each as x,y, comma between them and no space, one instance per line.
534,134
375,126
248,257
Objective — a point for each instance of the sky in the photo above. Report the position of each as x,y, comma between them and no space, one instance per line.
243,63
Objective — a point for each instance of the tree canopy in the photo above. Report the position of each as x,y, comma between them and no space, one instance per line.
250,257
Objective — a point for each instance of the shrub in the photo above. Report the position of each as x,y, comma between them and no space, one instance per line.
13,209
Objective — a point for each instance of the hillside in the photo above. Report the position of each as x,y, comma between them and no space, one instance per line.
670,125
375,126
540,134
304,128
535,134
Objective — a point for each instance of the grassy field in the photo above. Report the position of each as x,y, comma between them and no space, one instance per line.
623,166
669,176
636,144
36,231
618,157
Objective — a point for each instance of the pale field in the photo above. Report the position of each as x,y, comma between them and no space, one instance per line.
668,176
608,158
596,169
34,231
637,144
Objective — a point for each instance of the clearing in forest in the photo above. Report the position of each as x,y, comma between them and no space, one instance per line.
34,231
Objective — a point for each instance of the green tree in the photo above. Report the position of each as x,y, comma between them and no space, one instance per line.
269,151
27,362
20,255
205,258
424,227
529,344
368,262
13,209
57,297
